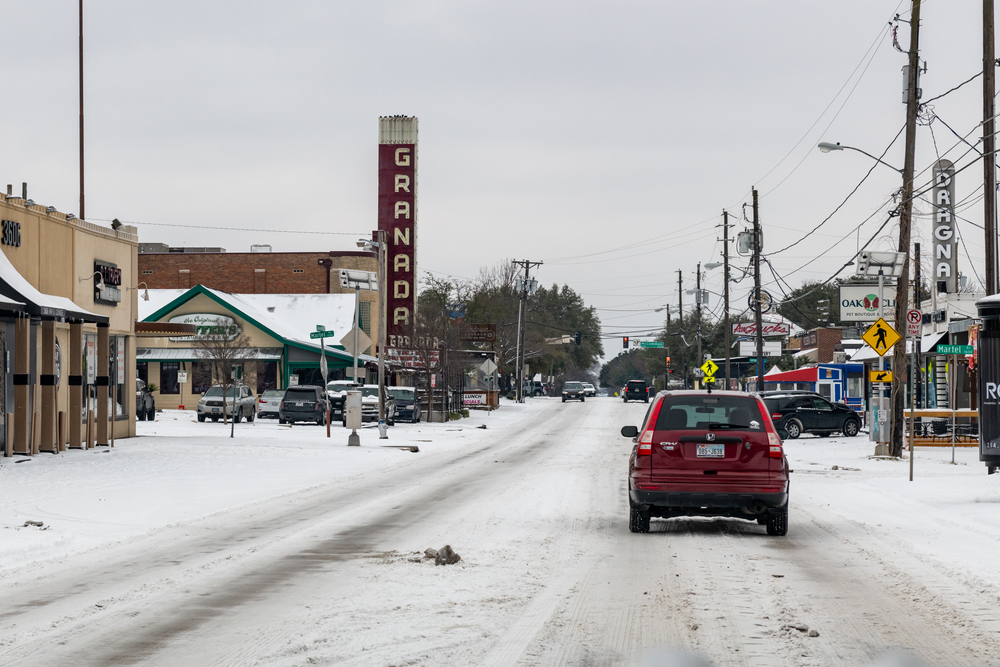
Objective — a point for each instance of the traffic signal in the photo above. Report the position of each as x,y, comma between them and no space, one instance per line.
625,342
576,338
668,362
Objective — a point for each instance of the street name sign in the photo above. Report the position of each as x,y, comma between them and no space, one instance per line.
881,337
651,343
955,349
321,334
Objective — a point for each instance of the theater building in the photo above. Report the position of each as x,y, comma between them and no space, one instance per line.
67,329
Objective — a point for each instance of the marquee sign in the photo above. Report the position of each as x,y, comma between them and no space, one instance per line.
111,276
770,328
397,217
945,250
207,326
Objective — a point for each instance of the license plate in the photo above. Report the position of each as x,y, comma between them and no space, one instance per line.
711,451
215,409
298,403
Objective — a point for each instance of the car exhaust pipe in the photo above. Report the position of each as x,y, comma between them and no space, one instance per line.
756,507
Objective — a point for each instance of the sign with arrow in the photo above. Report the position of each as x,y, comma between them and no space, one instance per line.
881,337
880,376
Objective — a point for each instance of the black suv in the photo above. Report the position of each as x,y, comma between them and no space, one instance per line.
303,403
811,413
636,390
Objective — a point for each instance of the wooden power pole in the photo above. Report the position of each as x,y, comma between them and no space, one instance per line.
756,291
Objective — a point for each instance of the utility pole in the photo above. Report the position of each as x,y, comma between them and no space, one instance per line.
902,296
697,301
82,212
989,145
756,290
725,289
521,325
680,296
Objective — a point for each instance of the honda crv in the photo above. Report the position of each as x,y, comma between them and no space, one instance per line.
707,454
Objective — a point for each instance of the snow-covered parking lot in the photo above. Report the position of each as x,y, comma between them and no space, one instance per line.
280,547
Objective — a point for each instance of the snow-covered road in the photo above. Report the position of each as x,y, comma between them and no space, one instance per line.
283,549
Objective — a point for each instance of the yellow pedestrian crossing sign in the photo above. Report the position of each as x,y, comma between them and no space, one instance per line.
709,367
880,376
881,337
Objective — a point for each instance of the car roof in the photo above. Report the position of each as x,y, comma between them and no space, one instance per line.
304,386
696,392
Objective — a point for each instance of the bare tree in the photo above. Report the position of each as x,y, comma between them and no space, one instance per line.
223,346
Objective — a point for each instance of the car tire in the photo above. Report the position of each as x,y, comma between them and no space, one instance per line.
581,399
141,416
201,418
281,420
564,399
762,519
251,416
824,434
624,400
320,421
777,522
215,420
151,415
238,416
638,518
645,400
851,428
794,429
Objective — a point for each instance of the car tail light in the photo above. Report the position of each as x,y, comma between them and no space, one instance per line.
773,439
646,439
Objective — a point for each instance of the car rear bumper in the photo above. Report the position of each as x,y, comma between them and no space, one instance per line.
710,502
302,415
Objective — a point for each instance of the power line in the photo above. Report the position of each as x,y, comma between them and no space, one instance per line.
236,229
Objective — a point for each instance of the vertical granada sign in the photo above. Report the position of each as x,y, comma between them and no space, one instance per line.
397,217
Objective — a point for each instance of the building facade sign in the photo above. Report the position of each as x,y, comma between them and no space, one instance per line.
111,277
479,333
208,325
859,303
397,217
770,328
945,249
11,233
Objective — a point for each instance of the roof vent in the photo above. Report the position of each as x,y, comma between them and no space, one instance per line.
270,309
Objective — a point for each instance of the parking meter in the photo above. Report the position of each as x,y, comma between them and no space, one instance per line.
352,416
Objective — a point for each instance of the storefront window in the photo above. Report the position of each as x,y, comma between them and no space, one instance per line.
168,377
267,376
118,365
202,379
142,371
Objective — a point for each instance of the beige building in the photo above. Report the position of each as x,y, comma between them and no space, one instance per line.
67,329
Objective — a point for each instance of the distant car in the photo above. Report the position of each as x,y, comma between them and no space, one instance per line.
407,403
213,406
145,404
303,403
337,392
810,413
589,389
707,454
268,403
573,391
635,390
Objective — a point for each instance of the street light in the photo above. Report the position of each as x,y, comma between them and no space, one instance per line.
826,147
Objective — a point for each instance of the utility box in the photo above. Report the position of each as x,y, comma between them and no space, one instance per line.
352,410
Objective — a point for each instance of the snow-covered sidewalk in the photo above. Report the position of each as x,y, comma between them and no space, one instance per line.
179,470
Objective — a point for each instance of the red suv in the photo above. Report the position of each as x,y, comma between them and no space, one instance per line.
707,454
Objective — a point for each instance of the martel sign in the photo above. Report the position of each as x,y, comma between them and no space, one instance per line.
770,328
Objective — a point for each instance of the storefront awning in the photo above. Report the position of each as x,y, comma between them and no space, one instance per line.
14,287
168,354
800,375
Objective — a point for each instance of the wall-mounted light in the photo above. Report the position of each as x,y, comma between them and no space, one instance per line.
100,280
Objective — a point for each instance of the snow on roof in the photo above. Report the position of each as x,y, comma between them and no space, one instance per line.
291,316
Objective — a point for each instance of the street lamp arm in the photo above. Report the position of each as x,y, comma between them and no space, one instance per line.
826,147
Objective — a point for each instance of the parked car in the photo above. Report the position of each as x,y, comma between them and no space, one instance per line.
337,390
707,454
811,413
589,389
303,403
269,402
573,391
212,404
369,406
635,390
145,404
407,402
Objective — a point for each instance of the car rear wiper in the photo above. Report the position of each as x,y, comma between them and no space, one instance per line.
717,425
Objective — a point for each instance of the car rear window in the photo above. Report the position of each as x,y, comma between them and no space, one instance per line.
679,413
637,385
300,394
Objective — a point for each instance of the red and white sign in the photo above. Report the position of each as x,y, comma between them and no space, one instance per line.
913,320
397,217
412,359
770,328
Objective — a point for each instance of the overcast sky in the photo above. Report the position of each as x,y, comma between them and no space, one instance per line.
603,138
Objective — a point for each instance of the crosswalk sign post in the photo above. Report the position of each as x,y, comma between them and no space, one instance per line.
881,337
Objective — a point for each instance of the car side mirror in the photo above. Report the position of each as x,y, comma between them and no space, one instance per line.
629,431
783,434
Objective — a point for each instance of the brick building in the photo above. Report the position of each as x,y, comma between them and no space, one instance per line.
258,272
823,340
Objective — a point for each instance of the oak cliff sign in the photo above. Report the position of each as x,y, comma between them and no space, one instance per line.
397,217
